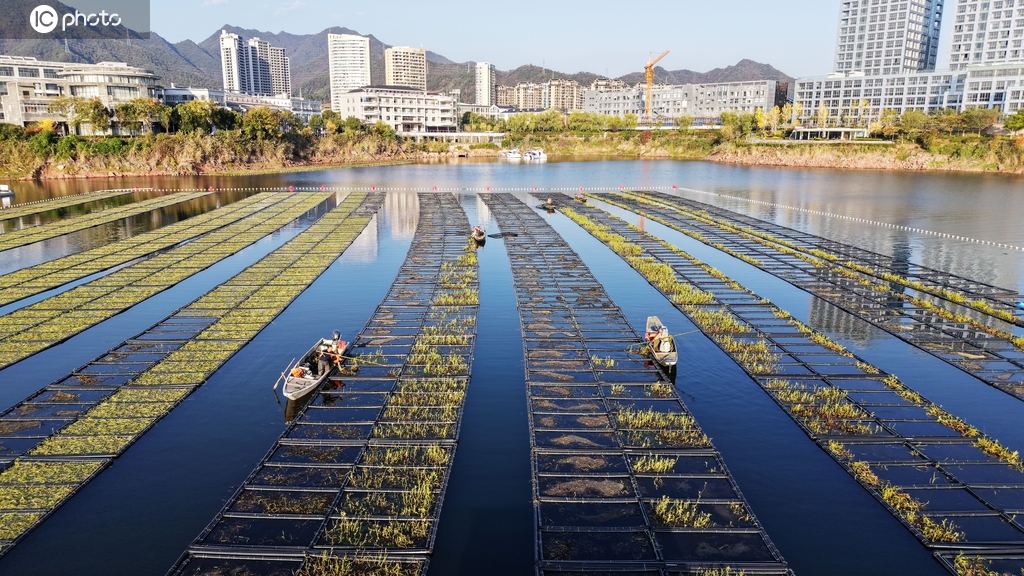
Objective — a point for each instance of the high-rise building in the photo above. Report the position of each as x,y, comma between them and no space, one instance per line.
254,67
486,84
404,66
349,61
888,36
989,32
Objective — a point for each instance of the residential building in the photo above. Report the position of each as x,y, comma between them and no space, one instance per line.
608,84
407,110
989,32
486,84
404,66
174,95
564,95
349,63
701,101
27,86
888,36
300,107
493,111
986,71
254,66
523,95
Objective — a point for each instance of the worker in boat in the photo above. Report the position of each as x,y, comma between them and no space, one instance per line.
665,341
332,355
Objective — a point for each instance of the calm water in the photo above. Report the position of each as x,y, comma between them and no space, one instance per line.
139,515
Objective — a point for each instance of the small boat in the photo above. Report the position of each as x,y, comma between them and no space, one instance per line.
512,155
662,344
6,196
535,155
301,378
479,235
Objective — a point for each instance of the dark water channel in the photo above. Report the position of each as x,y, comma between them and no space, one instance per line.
139,515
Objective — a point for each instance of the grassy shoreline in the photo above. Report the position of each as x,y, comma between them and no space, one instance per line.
218,156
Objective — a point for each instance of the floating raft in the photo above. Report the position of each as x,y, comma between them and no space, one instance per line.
358,478
34,280
42,232
614,450
40,206
67,433
39,326
951,486
983,348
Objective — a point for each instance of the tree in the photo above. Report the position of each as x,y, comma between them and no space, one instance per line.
685,122
760,119
383,131
1015,122
68,107
947,120
353,124
977,119
774,118
888,122
224,119
912,122
127,116
786,115
798,113
822,115
262,124
316,122
195,116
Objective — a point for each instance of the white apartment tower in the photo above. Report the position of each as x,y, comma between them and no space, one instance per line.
254,67
349,57
888,36
988,32
404,66
486,84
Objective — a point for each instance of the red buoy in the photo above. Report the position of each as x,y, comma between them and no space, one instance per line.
291,188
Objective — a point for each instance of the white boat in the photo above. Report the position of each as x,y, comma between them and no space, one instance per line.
535,155
661,343
301,378
512,155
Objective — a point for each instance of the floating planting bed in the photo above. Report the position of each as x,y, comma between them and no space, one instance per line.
49,275
983,564
355,483
66,433
624,479
40,206
971,334
39,326
951,485
76,223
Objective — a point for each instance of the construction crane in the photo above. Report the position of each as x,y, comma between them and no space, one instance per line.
649,69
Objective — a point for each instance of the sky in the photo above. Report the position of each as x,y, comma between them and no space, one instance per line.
609,37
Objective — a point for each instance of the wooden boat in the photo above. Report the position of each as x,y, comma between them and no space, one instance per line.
662,344
296,387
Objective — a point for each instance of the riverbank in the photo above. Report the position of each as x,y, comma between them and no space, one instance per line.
228,155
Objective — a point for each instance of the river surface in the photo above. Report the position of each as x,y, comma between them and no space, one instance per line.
140,514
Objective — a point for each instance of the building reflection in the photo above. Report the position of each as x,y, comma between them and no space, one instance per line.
401,214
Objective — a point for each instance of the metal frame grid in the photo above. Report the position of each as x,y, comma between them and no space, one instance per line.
958,339
74,224
613,448
101,409
884,434
41,325
49,275
982,564
334,487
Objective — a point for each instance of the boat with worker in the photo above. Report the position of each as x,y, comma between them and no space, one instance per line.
661,344
314,367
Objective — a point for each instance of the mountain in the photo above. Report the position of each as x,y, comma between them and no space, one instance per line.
743,71
188,63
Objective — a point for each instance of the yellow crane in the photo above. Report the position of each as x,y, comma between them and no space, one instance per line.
649,69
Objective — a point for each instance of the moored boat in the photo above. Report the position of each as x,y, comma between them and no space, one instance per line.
302,377
512,155
662,345
535,155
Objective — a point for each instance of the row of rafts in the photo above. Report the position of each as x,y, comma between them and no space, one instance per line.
306,373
